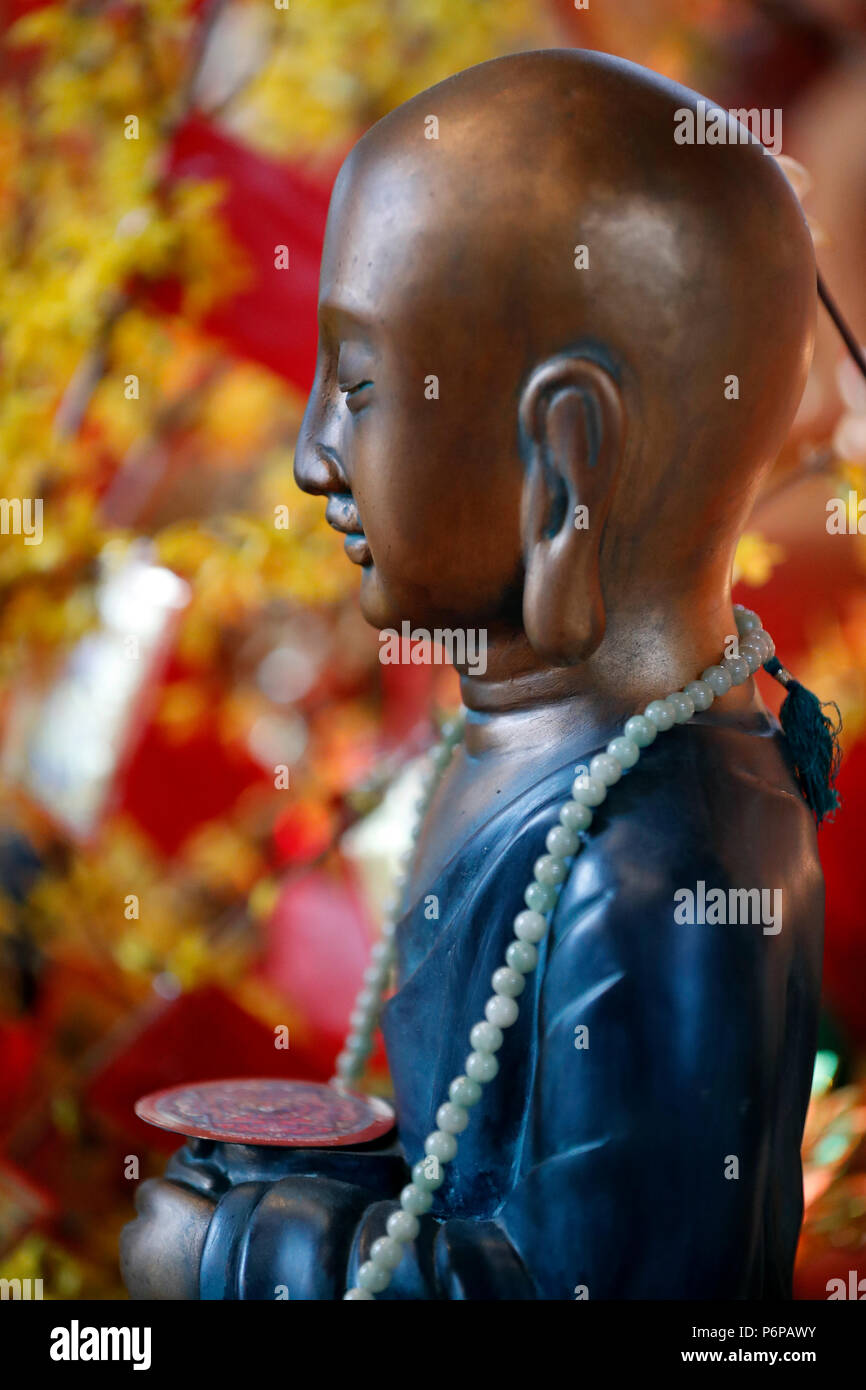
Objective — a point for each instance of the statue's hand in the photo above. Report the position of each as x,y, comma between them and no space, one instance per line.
160,1252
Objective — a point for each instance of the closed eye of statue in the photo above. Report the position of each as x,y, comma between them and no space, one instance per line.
357,396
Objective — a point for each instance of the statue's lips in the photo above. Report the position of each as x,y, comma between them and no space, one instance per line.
358,550
342,513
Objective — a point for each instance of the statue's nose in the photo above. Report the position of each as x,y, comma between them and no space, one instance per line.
318,469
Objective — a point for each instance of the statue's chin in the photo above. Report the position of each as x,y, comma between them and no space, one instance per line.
375,607
389,608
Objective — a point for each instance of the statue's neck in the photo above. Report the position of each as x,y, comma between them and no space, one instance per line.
521,701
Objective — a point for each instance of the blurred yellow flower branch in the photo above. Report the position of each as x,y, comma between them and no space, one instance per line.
87,213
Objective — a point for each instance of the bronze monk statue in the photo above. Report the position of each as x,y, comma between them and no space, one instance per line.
558,352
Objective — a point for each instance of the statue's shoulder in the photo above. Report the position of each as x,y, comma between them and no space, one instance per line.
710,809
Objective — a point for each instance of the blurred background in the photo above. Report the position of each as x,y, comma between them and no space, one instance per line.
204,765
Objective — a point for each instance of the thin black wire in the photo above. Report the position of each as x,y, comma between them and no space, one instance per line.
835,313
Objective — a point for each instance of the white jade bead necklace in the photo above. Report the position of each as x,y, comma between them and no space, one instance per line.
563,842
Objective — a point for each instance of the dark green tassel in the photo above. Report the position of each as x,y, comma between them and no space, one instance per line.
813,740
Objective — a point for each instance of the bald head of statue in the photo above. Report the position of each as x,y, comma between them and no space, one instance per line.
558,349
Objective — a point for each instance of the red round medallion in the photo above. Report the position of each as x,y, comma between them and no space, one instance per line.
287,1114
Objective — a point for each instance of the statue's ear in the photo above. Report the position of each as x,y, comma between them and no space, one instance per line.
572,426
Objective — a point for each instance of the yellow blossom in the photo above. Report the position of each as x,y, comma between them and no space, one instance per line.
756,559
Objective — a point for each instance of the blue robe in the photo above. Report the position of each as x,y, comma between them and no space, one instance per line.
655,1154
